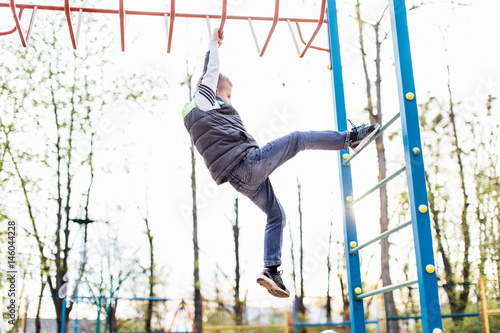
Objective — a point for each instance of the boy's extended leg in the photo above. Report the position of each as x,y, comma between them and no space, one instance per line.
263,196
259,163
281,150
250,178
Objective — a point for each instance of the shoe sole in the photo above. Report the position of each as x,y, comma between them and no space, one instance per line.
272,287
363,142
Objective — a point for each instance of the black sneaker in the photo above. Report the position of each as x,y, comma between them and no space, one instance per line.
360,135
273,283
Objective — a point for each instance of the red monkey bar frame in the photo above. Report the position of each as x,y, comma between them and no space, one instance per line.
169,21
67,11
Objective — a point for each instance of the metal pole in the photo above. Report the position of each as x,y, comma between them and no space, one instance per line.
75,329
8,32
415,172
25,319
352,260
63,319
171,27
376,187
121,7
320,23
484,307
387,288
275,21
379,237
67,10
18,24
223,16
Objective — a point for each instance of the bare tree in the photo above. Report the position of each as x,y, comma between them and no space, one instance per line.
239,305
300,300
292,256
375,115
463,190
151,276
343,283
328,305
464,220
196,249
487,190
51,95
114,264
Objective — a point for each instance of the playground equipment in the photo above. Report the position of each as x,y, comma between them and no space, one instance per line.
182,311
415,173
485,313
169,18
110,312
22,320
414,168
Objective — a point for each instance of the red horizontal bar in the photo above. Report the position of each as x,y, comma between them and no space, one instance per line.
152,13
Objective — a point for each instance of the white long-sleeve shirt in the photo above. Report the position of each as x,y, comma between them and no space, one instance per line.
204,96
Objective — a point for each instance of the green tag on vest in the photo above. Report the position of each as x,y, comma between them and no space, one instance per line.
188,108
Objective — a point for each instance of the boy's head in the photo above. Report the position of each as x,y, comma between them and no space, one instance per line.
224,88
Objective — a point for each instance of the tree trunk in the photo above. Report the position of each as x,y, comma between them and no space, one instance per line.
292,256
198,306
464,223
300,300
238,304
377,118
111,318
197,287
457,298
38,325
345,299
328,305
151,277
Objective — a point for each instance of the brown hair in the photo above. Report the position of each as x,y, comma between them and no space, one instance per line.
222,83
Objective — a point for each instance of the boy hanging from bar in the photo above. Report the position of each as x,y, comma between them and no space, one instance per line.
232,154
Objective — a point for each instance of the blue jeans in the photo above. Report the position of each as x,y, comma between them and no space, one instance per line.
251,178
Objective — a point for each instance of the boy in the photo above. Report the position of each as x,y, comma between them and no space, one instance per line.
232,154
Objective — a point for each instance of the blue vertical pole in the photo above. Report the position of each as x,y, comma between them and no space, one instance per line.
76,311
63,319
415,173
352,260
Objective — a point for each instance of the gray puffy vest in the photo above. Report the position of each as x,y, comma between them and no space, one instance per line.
219,136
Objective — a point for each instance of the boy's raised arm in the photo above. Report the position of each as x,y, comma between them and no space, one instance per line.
205,93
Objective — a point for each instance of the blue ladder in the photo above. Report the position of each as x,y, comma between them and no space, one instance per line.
427,279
